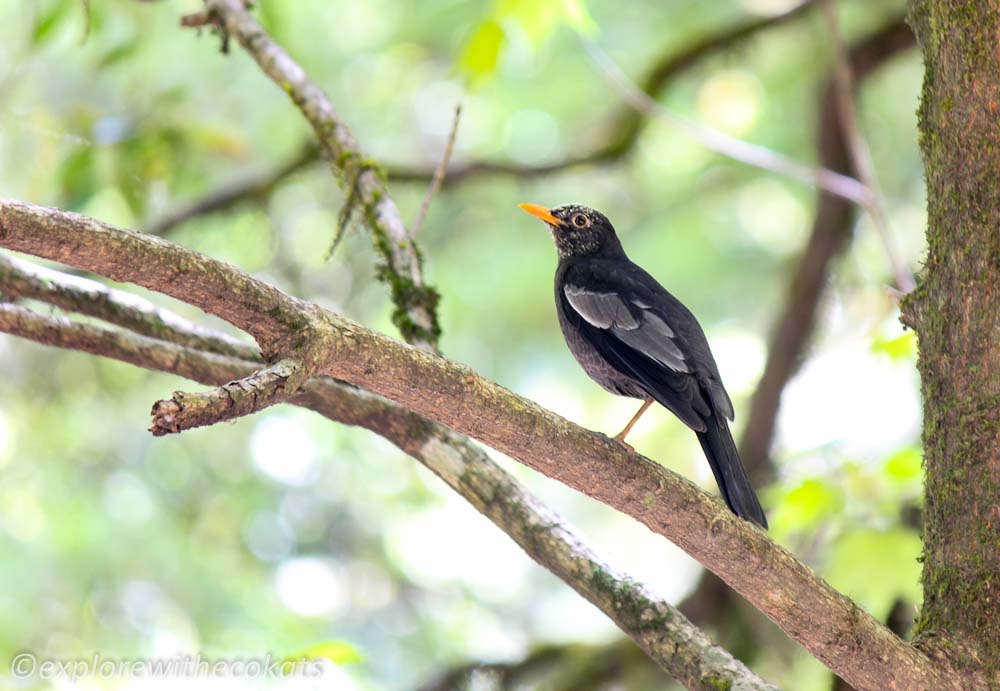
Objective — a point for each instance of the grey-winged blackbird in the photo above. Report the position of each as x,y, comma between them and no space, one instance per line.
635,339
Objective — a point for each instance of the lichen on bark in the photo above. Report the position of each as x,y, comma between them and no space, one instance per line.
956,312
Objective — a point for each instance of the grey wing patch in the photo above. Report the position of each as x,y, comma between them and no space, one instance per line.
654,339
603,310
644,332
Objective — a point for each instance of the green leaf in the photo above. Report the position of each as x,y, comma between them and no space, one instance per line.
48,21
905,465
78,177
482,51
539,18
118,52
536,19
874,568
337,652
807,505
899,348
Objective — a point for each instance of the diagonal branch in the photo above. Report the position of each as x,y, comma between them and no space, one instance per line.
721,143
657,627
861,157
829,625
21,279
416,303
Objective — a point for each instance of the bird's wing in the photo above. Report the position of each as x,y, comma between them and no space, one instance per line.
636,326
644,332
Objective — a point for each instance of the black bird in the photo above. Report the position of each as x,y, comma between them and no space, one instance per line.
635,339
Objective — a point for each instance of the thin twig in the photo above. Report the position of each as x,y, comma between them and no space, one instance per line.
257,186
438,174
722,143
861,156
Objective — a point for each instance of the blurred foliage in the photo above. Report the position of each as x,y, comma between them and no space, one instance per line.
284,533
535,20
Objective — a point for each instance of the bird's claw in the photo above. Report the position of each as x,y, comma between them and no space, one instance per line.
620,438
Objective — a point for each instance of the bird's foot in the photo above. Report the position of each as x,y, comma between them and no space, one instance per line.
620,438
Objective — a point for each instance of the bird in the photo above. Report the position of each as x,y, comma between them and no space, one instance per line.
635,339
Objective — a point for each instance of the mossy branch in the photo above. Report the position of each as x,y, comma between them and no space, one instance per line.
362,177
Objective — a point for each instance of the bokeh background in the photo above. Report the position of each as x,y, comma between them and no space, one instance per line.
282,532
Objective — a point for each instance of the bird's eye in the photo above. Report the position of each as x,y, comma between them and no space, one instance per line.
581,221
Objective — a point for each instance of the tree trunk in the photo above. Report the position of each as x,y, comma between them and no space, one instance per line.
956,313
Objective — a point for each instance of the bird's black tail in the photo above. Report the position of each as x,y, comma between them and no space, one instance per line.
720,449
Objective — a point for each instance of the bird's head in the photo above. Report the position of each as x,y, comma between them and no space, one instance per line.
578,230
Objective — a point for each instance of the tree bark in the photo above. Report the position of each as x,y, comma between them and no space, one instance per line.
956,313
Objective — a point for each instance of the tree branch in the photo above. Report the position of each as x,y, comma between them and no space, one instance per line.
658,628
829,625
21,279
283,326
439,173
416,303
829,238
623,133
267,314
234,399
721,143
258,186
861,156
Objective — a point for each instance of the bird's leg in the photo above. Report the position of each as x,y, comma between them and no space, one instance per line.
620,437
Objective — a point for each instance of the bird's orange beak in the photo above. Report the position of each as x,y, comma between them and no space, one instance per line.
539,211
